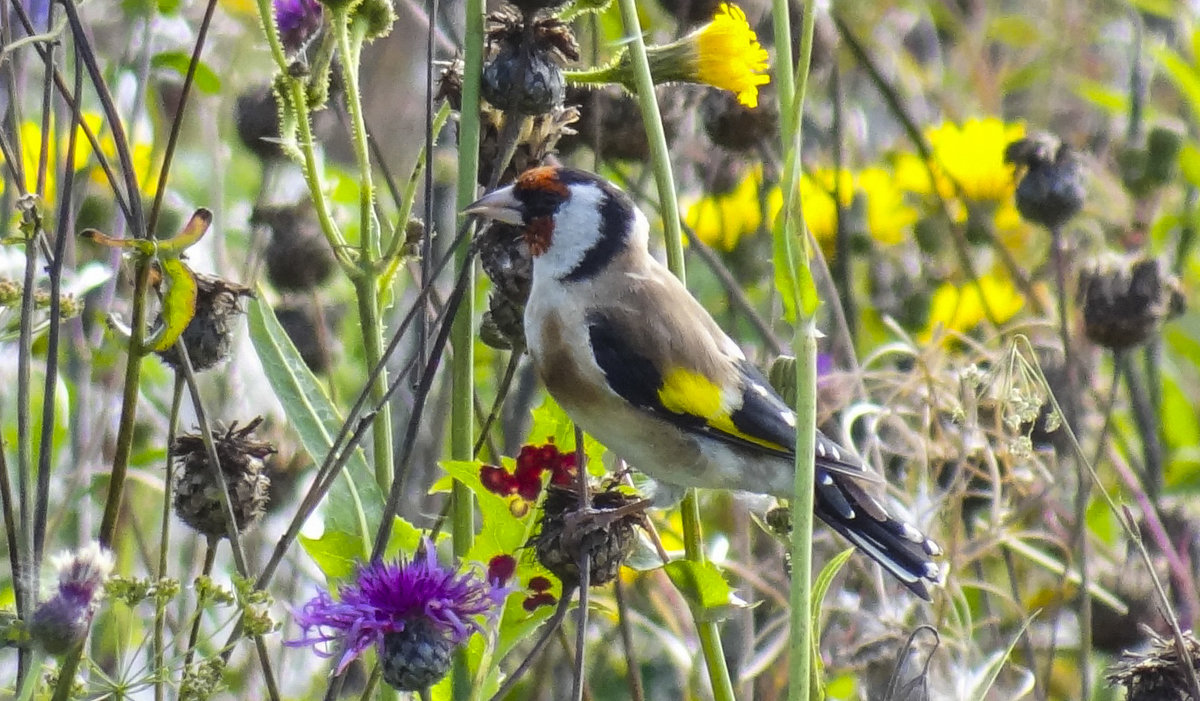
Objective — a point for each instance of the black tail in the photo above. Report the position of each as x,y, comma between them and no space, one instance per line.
899,547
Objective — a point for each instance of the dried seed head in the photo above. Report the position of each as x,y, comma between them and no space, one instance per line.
689,12
503,324
504,255
532,7
417,657
298,256
537,141
732,125
1050,190
198,500
209,335
608,546
256,115
523,73
1156,674
611,123
1126,301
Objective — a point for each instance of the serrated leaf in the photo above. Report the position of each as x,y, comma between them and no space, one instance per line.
701,583
205,78
551,422
503,533
355,501
178,304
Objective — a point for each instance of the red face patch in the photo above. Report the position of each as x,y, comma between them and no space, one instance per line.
538,233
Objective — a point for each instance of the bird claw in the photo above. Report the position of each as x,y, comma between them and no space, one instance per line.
579,524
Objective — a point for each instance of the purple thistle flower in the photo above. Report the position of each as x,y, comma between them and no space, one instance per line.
386,597
61,622
298,21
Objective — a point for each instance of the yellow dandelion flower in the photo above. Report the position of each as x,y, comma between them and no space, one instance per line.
724,53
973,156
723,220
728,55
889,217
818,206
960,307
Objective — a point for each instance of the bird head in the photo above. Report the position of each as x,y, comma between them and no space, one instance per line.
574,222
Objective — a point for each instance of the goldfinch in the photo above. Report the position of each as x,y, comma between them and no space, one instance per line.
639,364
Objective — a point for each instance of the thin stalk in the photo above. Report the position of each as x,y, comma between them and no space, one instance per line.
710,636
1070,417
633,672
45,448
462,365
210,557
585,570
25,479
160,604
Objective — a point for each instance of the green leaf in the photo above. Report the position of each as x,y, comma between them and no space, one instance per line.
335,552
503,533
551,422
192,232
1182,74
701,583
205,78
355,501
820,588
178,304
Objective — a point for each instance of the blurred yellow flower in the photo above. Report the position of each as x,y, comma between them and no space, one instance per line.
721,221
889,217
973,156
31,149
31,140
960,307
818,206
728,55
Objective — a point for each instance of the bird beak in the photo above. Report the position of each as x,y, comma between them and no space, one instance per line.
500,205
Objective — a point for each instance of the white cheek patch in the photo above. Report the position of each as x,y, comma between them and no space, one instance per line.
576,229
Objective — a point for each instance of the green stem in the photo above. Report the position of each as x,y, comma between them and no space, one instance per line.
349,39
800,666
710,636
462,375
298,100
660,156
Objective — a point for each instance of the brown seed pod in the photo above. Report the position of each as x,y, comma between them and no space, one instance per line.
1126,301
298,256
607,545
209,335
256,115
198,501
1156,674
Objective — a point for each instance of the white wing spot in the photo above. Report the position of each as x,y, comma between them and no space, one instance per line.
821,448
911,533
762,391
788,418
826,480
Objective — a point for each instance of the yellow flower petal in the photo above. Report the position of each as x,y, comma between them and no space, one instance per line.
729,55
960,308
